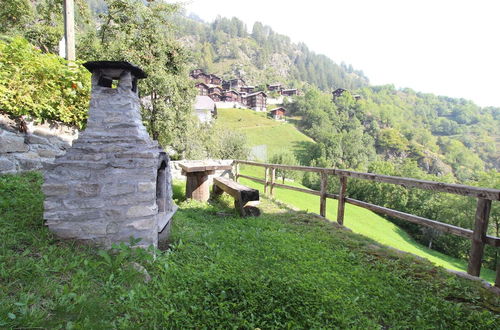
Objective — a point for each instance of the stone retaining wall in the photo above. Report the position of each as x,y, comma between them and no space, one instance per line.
31,150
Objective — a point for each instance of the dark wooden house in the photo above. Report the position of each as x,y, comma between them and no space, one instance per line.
216,97
338,92
257,101
216,80
247,89
235,84
289,92
202,88
274,88
215,89
232,96
278,113
195,73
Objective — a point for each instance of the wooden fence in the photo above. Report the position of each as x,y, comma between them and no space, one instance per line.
478,235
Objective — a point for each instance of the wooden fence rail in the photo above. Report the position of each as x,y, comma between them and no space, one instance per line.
478,235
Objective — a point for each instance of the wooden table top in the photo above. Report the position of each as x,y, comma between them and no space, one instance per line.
203,166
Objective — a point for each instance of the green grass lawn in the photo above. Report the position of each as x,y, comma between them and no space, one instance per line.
261,130
364,222
284,269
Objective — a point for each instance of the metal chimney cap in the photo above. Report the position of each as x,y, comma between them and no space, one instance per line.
135,70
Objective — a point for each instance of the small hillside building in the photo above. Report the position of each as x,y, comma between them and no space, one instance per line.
274,87
203,88
216,80
257,101
247,89
236,84
205,108
289,92
278,113
232,96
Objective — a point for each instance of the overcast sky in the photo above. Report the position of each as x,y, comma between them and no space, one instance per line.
439,46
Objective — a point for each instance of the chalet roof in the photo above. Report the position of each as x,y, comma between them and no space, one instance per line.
253,94
202,83
290,90
215,76
203,102
274,85
278,108
232,91
248,86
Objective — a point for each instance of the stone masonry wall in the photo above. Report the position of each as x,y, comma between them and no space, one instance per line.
32,150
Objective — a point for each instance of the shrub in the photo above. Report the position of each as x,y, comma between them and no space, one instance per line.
42,86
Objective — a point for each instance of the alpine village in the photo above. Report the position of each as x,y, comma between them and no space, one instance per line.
163,171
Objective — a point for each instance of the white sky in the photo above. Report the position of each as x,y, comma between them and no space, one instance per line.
444,47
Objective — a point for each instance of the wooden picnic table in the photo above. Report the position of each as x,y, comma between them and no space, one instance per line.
197,185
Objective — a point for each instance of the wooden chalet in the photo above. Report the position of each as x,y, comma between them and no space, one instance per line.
216,80
247,89
338,92
274,88
203,88
257,101
215,89
278,113
289,92
235,84
216,97
231,96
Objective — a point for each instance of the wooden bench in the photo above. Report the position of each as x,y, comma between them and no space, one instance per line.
241,194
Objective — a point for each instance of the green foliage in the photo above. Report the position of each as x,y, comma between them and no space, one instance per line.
283,269
138,32
285,158
42,86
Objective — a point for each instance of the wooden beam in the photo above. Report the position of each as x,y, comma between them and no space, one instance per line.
479,236
486,193
444,227
341,203
322,197
251,178
497,278
69,29
304,190
236,171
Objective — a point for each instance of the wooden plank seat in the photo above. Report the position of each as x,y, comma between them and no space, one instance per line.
241,194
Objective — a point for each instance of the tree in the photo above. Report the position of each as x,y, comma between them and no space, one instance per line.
139,33
285,158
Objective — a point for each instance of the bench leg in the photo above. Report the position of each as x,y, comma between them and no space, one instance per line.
217,191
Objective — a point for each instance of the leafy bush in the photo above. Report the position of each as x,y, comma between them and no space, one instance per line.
42,86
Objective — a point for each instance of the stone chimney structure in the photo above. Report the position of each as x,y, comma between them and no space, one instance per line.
114,183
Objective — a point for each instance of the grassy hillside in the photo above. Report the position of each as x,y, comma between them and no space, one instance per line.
280,136
281,270
277,136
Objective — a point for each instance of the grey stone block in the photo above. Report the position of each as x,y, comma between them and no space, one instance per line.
137,211
12,142
7,165
87,189
55,190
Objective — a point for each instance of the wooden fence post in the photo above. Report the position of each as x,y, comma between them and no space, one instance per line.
322,198
266,178
341,205
478,237
497,279
273,178
236,172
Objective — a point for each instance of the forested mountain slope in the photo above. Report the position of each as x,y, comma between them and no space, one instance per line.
225,47
444,135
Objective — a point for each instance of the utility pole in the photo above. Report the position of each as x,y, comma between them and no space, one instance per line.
69,29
